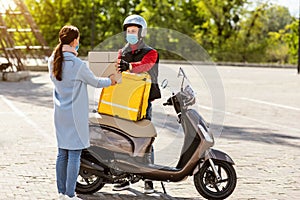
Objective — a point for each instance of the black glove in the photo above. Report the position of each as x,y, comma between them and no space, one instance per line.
124,66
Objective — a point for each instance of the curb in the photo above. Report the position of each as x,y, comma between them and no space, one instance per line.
233,64
40,68
221,64
14,76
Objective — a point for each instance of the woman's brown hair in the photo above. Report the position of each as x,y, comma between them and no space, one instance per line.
66,35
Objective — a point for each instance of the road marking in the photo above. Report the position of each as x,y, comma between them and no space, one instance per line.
26,118
250,119
270,104
10,104
7,113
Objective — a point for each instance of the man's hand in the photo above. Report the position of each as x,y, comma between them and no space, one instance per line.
123,66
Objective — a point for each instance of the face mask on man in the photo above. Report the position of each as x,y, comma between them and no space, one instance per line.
132,38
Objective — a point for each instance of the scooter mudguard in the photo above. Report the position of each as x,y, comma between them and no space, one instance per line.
215,155
218,155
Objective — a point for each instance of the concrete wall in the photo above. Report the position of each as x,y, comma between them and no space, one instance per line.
14,76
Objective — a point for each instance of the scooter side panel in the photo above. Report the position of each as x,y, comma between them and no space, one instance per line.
194,139
110,139
141,146
115,140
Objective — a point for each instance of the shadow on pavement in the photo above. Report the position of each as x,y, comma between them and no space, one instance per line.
28,92
135,195
260,135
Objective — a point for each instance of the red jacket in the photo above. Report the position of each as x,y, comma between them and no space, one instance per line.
145,64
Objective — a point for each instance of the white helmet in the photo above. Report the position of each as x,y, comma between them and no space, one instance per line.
136,20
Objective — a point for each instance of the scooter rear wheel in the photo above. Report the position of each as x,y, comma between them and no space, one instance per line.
88,182
207,184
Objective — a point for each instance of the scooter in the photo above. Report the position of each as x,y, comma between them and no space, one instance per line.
120,149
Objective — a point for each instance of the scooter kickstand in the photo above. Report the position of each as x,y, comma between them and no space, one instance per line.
163,187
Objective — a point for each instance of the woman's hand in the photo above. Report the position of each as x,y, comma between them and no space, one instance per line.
113,79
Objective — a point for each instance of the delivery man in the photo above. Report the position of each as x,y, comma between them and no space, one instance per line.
137,57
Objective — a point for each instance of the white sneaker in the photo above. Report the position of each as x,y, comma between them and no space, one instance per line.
61,196
73,198
121,186
148,189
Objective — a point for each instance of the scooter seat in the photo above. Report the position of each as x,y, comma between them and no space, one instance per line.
142,128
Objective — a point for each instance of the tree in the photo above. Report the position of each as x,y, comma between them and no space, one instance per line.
168,21
224,28
291,38
276,18
275,28
96,19
219,23
259,37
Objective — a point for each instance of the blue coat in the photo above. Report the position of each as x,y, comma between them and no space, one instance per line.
71,109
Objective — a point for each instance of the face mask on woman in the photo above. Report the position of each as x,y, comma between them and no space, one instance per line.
77,47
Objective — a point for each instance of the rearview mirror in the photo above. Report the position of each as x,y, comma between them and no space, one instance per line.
164,84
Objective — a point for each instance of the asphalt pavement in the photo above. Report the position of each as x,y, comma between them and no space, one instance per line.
257,109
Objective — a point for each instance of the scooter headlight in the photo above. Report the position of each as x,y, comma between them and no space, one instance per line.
207,136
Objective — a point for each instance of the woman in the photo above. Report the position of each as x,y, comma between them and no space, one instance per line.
71,76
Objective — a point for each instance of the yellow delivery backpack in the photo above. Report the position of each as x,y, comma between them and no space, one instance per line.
128,99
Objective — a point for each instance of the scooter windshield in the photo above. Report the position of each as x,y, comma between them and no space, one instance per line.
186,89
184,66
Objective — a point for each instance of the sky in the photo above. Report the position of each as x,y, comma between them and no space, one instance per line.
292,5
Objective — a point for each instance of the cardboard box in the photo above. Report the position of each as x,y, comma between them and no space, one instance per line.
103,64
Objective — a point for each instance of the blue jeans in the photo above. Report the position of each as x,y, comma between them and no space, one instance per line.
149,117
67,169
149,111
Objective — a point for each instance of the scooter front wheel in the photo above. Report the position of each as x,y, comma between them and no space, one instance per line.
207,184
88,182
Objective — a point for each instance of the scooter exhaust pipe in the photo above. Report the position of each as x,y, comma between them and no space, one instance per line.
97,169
90,165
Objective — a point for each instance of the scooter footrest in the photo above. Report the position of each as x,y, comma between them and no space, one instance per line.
161,167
